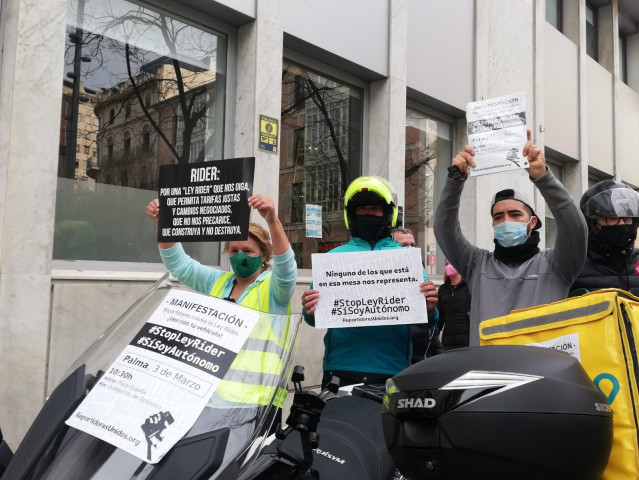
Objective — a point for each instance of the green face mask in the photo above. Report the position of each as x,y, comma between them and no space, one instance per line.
244,265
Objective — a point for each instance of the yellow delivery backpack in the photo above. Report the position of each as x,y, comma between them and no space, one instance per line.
601,329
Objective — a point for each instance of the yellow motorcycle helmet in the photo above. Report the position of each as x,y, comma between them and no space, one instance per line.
371,190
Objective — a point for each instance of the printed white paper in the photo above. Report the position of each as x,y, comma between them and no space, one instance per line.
313,221
158,386
369,288
497,133
567,344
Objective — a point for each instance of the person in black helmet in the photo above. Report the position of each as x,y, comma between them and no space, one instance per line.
611,210
368,354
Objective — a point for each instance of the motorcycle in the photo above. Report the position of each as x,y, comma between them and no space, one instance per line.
144,349
188,386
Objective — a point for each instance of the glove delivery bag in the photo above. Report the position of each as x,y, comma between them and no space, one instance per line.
601,330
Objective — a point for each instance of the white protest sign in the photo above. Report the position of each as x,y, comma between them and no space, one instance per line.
369,288
497,133
567,344
155,390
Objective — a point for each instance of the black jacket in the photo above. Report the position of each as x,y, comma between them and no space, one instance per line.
606,269
454,309
425,339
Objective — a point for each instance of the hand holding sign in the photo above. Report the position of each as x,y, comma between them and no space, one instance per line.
309,301
464,159
429,291
153,210
265,207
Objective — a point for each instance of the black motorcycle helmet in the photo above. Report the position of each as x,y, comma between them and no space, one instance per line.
497,412
608,199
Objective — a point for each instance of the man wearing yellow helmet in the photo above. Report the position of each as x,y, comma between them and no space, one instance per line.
368,354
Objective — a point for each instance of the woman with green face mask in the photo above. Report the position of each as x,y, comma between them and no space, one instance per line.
250,283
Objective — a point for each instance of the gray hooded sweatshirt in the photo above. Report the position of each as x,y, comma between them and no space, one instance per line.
498,287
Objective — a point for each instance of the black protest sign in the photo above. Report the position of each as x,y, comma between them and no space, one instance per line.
205,202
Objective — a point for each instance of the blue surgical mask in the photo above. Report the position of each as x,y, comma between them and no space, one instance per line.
509,234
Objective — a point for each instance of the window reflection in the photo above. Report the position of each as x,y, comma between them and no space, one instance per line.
428,155
321,131
142,89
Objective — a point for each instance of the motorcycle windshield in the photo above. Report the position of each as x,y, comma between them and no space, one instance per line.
234,421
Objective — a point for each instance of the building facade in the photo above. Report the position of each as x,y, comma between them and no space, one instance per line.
360,87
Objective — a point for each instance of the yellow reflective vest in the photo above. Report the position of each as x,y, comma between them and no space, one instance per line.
257,368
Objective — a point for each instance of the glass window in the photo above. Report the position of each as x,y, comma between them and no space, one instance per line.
591,31
553,13
146,138
427,158
109,144
322,133
137,54
127,144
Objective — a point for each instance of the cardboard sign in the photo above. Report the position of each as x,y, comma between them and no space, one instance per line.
497,133
369,288
156,389
205,202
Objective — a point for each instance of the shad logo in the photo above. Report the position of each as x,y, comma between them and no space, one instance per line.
416,403
329,455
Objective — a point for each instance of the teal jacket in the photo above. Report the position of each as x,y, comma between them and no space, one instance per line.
386,350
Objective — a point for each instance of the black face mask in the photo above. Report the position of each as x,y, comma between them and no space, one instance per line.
618,237
369,227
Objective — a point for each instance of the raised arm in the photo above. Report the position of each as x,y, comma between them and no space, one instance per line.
284,267
459,251
266,208
569,252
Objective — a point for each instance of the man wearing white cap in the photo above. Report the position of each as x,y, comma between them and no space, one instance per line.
517,274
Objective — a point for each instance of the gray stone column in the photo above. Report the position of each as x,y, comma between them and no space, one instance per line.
259,91
30,99
607,35
572,21
582,175
505,63
612,45
577,174
387,127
